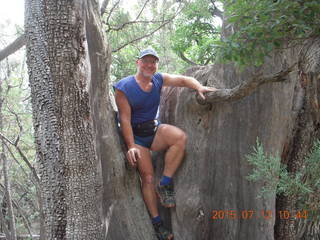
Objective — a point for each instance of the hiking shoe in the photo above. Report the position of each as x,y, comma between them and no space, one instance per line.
161,232
166,195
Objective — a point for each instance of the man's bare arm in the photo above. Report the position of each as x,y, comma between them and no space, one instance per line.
125,122
186,81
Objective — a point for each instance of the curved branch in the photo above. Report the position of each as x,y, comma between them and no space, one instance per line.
244,89
187,60
111,10
13,47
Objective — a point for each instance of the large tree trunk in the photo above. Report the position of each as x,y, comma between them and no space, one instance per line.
66,53
304,131
125,215
285,118
64,137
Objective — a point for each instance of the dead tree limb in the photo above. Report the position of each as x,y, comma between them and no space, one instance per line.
244,89
13,47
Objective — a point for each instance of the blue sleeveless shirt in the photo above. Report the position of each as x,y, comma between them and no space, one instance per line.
144,105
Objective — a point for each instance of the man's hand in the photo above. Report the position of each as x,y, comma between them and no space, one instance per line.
201,90
133,155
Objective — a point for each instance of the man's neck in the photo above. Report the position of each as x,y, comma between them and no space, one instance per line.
142,78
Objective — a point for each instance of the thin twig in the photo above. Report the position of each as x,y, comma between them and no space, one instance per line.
149,34
23,215
24,158
111,10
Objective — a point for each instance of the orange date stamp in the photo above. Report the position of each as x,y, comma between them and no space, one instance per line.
262,214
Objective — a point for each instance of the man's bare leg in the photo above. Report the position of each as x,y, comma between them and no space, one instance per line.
148,191
146,172
174,139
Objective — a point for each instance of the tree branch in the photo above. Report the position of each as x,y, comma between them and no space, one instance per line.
149,34
13,47
244,89
141,37
215,11
4,225
25,220
111,10
187,60
143,7
16,142
104,7
110,28
24,158
135,21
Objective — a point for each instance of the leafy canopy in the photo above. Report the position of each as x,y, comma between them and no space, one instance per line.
195,33
260,26
254,28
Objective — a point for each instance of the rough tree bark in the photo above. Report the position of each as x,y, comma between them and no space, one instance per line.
305,130
68,67
58,70
285,118
125,216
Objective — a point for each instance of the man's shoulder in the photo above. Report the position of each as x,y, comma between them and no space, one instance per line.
127,79
124,81
158,76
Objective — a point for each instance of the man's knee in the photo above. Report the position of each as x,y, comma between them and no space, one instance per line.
182,139
147,178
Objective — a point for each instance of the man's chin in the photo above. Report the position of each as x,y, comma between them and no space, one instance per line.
148,74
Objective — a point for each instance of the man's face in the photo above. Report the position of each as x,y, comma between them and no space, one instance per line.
147,65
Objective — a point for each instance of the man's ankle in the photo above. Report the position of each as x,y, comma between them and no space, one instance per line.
165,180
156,220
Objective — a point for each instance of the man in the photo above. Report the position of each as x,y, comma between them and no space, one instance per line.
138,98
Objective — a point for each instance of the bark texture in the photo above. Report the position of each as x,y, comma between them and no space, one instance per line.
305,130
124,213
62,119
284,116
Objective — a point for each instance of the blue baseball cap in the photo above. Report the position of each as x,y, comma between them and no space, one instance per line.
148,51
